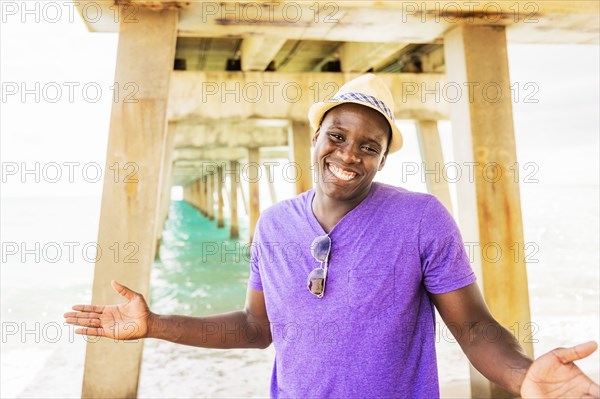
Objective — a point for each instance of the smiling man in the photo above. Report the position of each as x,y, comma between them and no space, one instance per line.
345,277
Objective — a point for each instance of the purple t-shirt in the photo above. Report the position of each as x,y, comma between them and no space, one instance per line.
373,333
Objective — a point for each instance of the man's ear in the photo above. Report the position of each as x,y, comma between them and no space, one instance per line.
382,162
316,136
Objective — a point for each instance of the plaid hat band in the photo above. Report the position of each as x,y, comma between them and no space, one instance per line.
365,98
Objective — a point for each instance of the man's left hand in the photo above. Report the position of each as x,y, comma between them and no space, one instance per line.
554,375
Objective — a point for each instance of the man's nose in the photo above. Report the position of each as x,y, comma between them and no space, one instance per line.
349,153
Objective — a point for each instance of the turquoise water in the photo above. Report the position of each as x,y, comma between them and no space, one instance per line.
200,269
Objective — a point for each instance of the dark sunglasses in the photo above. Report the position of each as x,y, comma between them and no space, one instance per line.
320,248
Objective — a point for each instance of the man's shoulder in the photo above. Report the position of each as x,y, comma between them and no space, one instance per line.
286,209
394,195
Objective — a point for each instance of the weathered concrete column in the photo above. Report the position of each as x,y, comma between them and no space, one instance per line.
130,206
234,230
220,202
299,142
431,154
254,192
490,209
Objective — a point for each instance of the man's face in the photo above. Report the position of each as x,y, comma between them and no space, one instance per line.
349,149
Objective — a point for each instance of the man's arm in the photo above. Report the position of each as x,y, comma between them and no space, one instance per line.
497,355
248,328
500,358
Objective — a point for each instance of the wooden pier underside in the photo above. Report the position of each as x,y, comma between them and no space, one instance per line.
225,84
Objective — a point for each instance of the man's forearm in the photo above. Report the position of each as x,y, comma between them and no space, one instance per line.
495,352
223,331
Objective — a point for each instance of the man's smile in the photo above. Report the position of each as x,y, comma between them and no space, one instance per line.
340,173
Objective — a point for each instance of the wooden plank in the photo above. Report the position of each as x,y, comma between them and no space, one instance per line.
234,230
433,159
129,208
300,147
259,51
253,170
360,57
220,202
490,209
232,133
229,96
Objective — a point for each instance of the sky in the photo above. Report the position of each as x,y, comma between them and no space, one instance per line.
62,139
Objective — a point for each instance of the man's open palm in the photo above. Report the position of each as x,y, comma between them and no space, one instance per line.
554,375
125,321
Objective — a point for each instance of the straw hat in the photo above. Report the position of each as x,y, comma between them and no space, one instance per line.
368,90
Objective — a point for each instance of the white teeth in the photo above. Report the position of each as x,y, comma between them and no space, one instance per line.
341,174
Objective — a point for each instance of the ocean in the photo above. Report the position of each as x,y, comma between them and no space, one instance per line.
47,265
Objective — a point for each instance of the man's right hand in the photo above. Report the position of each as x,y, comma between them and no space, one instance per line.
122,322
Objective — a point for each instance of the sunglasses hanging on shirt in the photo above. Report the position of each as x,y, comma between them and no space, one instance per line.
320,248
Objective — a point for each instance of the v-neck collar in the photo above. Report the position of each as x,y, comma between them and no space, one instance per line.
314,223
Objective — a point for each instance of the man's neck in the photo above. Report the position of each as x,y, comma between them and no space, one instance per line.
329,211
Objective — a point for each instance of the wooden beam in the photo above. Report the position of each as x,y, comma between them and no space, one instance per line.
211,96
129,208
220,202
360,57
433,160
300,146
490,209
232,133
259,51
366,21
253,182
234,231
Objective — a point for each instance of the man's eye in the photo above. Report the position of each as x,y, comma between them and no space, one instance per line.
336,136
371,149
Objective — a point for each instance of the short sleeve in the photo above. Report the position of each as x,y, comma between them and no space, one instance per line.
255,280
444,261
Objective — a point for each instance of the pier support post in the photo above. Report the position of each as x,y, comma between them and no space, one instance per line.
234,230
272,191
205,192
490,209
130,206
166,184
300,138
433,158
211,196
220,202
254,192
